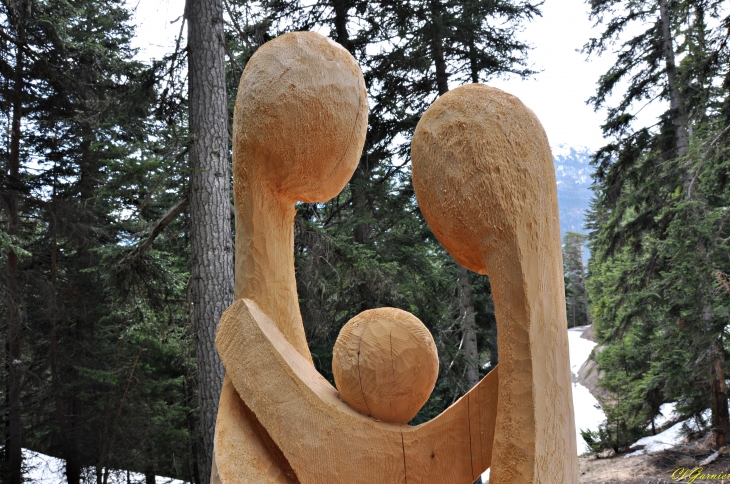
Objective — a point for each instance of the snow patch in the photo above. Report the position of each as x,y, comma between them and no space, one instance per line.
663,441
587,410
667,413
671,437
44,469
580,348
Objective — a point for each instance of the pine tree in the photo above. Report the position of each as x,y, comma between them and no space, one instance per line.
15,102
575,279
100,330
652,219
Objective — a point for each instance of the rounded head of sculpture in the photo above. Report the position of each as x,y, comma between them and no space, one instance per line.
385,364
300,119
479,155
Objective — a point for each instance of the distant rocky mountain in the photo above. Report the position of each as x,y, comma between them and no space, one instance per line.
573,173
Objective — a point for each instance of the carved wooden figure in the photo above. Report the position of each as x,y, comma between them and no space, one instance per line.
299,128
485,182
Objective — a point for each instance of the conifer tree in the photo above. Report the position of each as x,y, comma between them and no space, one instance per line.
14,67
91,170
653,216
576,296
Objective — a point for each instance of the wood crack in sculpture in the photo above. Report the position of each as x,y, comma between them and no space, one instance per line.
484,179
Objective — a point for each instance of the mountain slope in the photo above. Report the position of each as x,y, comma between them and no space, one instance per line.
573,174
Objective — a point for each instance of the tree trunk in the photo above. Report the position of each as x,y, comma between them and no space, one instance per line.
679,118
149,474
13,365
720,414
572,304
473,67
492,344
583,283
468,327
437,47
343,36
362,173
193,469
210,214
68,450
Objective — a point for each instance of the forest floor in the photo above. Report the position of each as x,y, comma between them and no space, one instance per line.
656,468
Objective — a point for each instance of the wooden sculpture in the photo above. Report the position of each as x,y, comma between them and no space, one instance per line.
299,128
485,182
385,364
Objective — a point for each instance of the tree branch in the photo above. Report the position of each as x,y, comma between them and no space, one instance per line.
153,232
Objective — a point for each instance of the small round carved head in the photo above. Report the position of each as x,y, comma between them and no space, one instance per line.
385,364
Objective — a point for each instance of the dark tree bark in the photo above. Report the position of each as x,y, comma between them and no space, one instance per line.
720,411
720,415
193,467
585,289
469,328
343,36
679,118
362,173
149,474
437,47
13,366
210,214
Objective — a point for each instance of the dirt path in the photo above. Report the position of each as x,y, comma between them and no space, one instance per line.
655,468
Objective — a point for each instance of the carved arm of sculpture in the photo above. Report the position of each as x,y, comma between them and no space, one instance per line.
483,175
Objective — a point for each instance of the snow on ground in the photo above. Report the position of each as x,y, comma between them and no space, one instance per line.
667,413
44,469
670,437
588,414
580,348
662,441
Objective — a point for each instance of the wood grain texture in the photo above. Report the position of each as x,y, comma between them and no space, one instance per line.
325,440
298,131
484,179
385,364
299,128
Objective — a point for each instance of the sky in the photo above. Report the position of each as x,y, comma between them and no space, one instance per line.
557,94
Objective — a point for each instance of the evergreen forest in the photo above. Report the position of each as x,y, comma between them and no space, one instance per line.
116,267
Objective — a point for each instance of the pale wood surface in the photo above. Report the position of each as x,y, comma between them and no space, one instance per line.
485,182
484,178
385,364
324,439
296,136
